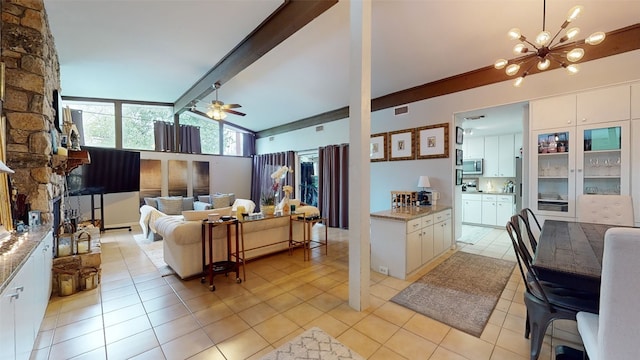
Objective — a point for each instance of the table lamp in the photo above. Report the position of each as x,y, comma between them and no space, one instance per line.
423,182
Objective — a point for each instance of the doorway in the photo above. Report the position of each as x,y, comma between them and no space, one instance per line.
307,176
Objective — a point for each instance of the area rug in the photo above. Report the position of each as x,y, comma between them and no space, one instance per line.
313,344
154,251
461,292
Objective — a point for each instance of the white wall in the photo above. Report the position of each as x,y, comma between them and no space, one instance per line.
403,175
227,174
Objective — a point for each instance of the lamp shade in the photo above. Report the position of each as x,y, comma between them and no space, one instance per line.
423,182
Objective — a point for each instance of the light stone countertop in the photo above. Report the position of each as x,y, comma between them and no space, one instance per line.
15,250
408,213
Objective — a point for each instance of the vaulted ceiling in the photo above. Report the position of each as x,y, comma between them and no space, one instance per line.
174,50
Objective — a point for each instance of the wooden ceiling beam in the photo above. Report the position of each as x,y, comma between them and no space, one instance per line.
292,16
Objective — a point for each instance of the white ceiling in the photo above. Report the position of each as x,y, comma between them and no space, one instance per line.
150,50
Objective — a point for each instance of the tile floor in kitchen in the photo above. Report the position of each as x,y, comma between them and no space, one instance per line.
137,313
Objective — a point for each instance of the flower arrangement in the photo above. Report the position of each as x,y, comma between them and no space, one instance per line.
270,197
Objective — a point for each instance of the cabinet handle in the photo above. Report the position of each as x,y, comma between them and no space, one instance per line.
14,296
584,119
579,170
19,288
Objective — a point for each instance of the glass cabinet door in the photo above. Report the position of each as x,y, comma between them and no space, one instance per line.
604,159
555,173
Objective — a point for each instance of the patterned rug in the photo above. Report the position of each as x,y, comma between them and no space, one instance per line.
313,344
154,251
461,292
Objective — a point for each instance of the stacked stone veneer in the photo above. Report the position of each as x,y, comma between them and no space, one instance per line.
32,73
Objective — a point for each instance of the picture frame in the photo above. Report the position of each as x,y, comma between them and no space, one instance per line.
458,156
459,135
378,147
34,218
458,176
402,145
433,141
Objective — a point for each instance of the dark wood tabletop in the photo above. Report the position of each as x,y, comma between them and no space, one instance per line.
571,253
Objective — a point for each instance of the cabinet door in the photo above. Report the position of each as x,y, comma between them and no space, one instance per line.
551,113
427,243
491,157
635,101
506,158
414,251
474,148
504,212
7,335
472,211
603,164
603,105
447,234
489,213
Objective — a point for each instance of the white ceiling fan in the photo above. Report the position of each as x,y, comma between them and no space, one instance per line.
218,110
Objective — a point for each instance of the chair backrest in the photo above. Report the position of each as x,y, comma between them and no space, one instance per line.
605,209
619,293
533,232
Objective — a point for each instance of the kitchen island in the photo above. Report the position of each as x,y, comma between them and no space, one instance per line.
406,238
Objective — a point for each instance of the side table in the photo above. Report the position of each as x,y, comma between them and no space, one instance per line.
307,223
218,267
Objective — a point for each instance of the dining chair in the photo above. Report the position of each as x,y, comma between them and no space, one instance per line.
533,232
543,303
605,209
612,334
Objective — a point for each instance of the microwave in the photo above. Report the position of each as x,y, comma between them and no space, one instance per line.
472,167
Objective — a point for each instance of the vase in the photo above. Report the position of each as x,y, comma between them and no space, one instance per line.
268,209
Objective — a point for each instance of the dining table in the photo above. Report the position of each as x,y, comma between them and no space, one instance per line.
570,254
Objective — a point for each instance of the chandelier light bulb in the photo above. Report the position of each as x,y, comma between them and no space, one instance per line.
500,63
517,82
571,33
543,64
210,113
574,12
595,38
520,48
514,34
572,69
575,55
512,69
543,38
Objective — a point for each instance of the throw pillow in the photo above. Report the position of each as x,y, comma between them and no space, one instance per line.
170,205
204,198
153,202
187,203
220,201
199,205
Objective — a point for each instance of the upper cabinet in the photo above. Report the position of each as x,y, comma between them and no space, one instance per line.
473,148
602,105
552,113
635,101
499,160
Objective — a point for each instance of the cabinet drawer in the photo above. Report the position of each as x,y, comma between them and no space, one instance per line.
427,221
489,197
505,198
414,225
442,216
477,197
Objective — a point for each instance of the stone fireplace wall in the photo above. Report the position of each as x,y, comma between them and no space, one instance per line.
32,73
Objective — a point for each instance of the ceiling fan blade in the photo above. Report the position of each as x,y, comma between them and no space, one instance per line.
231,106
229,111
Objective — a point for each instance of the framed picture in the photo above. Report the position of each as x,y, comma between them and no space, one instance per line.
458,156
402,145
34,218
378,147
459,135
433,141
458,176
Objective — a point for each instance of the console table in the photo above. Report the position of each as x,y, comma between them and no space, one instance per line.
307,223
219,267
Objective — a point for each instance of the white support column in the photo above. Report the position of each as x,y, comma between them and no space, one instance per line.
359,168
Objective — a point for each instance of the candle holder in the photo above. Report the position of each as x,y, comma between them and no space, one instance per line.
82,241
65,245
89,278
66,283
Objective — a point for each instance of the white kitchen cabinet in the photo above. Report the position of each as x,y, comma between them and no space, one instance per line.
403,246
517,144
473,148
489,208
499,158
603,105
635,101
505,208
554,112
635,128
472,208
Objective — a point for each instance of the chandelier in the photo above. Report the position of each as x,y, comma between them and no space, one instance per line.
545,50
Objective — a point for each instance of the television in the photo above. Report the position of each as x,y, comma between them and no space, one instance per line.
110,171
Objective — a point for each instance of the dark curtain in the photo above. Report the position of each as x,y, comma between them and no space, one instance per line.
248,144
164,134
263,166
190,139
308,190
333,186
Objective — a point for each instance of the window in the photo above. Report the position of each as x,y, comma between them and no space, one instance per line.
137,124
209,131
233,141
98,126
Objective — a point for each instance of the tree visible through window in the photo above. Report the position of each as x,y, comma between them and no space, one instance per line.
209,131
137,124
98,122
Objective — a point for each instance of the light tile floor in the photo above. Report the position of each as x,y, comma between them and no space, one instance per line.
137,314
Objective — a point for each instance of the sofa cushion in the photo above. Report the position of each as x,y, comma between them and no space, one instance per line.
199,215
199,205
170,205
220,201
204,198
153,202
187,203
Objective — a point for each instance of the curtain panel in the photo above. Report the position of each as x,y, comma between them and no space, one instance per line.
190,139
333,184
165,138
263,166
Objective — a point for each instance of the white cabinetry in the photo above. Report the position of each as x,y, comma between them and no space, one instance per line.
473,148
505,208
499,157
551,113
489,208
402,247
472,208
23,303
602,105
635,101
